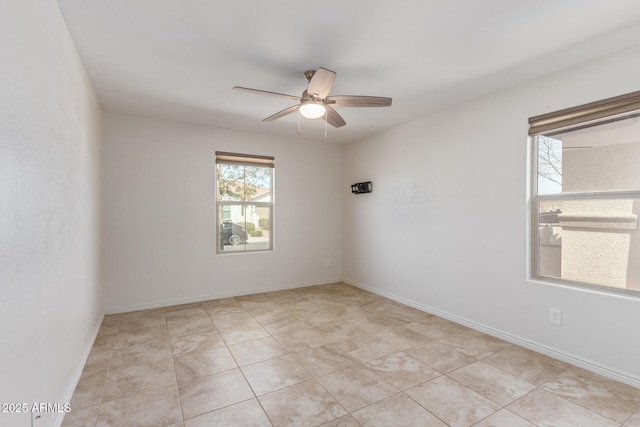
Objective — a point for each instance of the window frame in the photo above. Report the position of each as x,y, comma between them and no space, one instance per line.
239,159
587,115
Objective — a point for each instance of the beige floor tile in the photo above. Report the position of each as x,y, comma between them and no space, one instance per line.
504,418
128,338
81,417
304,404
202,363
532,367
249,352
609,398
213,392
189,306
104,343
134,348
364,348
436,328
335,332
229,309
89,390
345,421
106,330
321,361
301,339
308,306
400,312
361,298
492,383
409,314
220,303
184,312
285,324
139,320
225,310
274,374
545,409
475,344
139,354
284,297
260,306
231,320
196,342
160,407
440,356
261,297
325,316
634,421
356,387
98,362
451,402
402,371
374,322
189,326
270,313
135,379
398,410
246,331
247,413
355,313
402,337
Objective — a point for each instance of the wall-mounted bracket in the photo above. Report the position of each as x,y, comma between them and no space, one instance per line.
362,187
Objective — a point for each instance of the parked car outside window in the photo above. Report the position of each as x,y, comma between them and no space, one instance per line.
232,234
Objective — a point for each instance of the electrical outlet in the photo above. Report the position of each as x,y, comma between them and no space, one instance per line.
35,414
327,263
555,316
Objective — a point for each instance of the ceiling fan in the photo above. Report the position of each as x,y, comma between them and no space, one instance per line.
315,101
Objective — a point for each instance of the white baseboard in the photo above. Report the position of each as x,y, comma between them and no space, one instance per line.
178,301
73,383
548,351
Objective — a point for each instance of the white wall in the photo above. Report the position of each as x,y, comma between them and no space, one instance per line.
445,227
50,297
159,214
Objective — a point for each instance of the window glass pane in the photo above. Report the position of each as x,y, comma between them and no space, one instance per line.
247,227
243,183
257,184
549,165
226,213
593,159
592,241
231,182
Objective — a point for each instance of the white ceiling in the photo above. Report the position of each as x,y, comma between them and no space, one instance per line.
179,59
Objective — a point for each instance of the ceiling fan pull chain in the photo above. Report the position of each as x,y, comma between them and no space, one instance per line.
298,122
325,123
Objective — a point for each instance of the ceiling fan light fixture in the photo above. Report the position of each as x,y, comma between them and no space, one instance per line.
312,109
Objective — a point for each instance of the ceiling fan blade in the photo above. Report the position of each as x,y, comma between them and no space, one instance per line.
282,113
321,83
358,101
333,118
264,92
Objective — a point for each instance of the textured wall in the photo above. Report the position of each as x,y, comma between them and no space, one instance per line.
50,298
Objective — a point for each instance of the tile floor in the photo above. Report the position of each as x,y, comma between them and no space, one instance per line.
330,355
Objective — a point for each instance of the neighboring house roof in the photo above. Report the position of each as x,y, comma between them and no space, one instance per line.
260,194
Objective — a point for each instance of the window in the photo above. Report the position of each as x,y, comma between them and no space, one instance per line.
244,199
586,194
